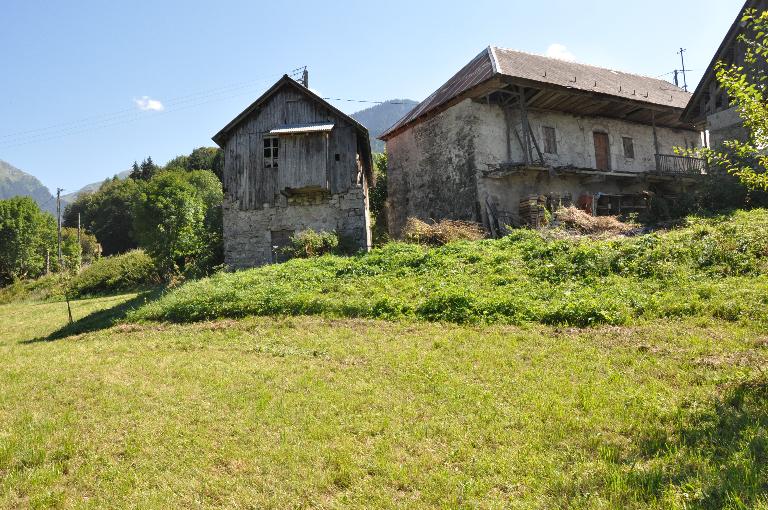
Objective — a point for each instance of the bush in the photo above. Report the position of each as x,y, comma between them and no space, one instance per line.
442,232
309,243
130,271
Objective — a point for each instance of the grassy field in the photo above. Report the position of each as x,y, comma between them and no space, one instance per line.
330,413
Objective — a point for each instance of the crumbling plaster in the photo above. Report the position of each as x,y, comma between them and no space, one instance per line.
436,167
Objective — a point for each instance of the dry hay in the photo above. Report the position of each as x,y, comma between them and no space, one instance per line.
573,218
442,232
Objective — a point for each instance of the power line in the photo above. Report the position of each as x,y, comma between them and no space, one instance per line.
129,115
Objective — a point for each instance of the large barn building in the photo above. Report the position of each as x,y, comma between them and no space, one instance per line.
512,128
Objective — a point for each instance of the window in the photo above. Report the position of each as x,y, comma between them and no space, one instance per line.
629,147
271,145
338,157
550,140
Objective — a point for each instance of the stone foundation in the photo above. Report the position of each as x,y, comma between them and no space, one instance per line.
248,234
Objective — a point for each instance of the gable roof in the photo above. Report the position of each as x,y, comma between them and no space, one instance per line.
286,80
527,68
364,140
730,38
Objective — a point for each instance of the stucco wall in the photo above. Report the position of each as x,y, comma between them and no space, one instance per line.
436,167
247,233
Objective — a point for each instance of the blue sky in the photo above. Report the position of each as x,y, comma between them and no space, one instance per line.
87,87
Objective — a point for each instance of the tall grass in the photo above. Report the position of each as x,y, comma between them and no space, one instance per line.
714,267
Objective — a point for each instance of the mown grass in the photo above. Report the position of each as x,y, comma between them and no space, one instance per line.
323,413
713,267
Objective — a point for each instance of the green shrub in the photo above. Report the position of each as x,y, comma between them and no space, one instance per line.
119,273
309,243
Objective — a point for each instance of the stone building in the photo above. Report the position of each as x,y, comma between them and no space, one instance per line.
292,162
710,109
512,131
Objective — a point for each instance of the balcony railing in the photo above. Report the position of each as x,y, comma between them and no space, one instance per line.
672,164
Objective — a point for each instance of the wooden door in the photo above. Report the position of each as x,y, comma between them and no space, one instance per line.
602,152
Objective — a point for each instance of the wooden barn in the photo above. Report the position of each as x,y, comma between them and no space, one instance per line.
292,162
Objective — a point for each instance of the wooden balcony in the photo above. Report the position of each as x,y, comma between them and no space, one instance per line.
683,166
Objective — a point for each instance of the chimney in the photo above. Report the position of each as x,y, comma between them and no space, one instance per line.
305,78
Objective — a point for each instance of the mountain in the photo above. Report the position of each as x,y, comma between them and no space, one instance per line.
89,188
14,182
381,117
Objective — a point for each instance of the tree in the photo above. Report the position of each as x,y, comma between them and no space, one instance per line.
148,169
746,86
26,234
108,214
178,221
378,198
135,171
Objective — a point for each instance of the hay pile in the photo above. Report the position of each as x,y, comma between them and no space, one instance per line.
577,220
442,232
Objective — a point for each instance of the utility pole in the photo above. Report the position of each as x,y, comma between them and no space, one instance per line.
78,228
305,78
58,222
682,61
61,258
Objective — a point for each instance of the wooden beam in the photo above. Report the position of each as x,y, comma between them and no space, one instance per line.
526,127
536,144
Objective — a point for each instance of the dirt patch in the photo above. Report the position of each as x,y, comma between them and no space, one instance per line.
750,358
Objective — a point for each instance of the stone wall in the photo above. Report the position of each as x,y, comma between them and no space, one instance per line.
432,169
248,233
725,125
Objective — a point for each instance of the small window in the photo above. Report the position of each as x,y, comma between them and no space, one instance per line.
629,147
338,157
271,147
550,140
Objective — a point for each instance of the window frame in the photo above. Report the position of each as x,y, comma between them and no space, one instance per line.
631,153
271,151
544,131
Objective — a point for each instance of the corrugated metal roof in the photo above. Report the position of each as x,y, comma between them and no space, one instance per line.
295,129
526,67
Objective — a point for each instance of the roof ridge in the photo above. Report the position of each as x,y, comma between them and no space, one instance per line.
494,59
589,65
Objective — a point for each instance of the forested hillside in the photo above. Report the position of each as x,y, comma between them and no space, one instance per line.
14,182
381,117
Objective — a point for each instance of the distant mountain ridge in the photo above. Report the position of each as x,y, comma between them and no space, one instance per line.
15,182
381,117
90,188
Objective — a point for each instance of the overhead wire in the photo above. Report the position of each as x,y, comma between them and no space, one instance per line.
129,115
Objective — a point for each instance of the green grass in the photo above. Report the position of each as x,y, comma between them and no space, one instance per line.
323,413
128,272
712,267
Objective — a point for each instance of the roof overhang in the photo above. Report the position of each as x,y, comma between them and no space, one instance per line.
689,114
298,129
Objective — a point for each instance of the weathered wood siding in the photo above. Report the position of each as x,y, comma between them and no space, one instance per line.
248,183
304,161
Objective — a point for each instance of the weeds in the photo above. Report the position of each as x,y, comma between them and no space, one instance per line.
711,268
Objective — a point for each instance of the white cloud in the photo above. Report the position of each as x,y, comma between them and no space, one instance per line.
146,104
560,52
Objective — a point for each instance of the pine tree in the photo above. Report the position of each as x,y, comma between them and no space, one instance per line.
148,168
135,172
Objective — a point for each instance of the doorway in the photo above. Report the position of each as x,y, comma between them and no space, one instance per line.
602,152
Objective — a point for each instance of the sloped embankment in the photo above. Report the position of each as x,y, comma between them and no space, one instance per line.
713,267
